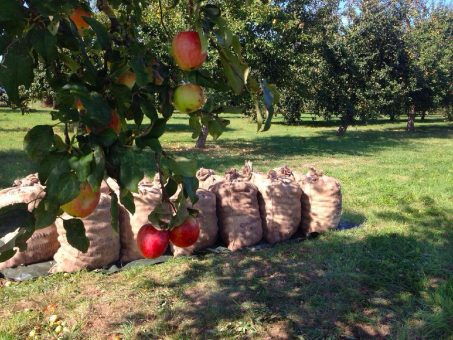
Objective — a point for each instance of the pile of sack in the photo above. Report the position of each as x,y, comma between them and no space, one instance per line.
239,209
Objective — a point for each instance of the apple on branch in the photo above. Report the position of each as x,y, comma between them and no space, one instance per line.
185,234
128,79
189,98
78,20
84,204
187,50
152,242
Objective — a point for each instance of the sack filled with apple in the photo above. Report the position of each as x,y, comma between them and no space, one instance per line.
43,244
102,242
321,201
238,211
207,178
279,197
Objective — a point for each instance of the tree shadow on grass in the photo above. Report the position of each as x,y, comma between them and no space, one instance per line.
230,153
319,123
336,285
14,164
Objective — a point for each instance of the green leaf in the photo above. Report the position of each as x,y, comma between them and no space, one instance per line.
97,111
182,166
38,142
10,10
195,125
7,254
23,236
148,109
46,213
44,43
75,234
217,126
153,143
16,70
130,171
159,215
47,164
68,187
105,138
81,165
101,32
203,40
190,187
15,216
158,128
73,65
223,33
5,40
97,168
203,78
269,103
259,114
235,71
114,211
171,187
138,66
181,211
127,200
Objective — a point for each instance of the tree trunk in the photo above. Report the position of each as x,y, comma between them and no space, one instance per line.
342,130
201,142
411,119
423,115
346,120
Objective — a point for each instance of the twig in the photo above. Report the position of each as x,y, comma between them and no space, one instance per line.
66,134
165,197
161,14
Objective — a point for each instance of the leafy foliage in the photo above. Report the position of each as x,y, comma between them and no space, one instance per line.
80,55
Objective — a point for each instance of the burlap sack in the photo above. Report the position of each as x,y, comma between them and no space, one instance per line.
145,202
207,178
207,219
321,202
279,197
104,242
27,181
43,244
238,211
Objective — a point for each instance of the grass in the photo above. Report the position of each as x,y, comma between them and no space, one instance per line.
392,277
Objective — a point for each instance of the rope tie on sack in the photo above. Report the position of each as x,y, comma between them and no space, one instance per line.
203,174
232,175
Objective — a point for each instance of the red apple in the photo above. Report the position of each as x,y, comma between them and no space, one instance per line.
189,98
187,51
77,18
128,79
185,234
115,124
152,242
84,204
79,105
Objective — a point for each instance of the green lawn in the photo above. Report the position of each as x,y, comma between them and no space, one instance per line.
392,277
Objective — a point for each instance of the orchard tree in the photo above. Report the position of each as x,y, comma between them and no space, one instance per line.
108,77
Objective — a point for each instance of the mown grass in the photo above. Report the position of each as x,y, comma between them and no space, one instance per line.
392,277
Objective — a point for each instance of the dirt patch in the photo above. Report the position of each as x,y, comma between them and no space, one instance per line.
280,330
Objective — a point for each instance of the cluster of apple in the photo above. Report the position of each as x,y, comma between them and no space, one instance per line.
153,242
188,54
